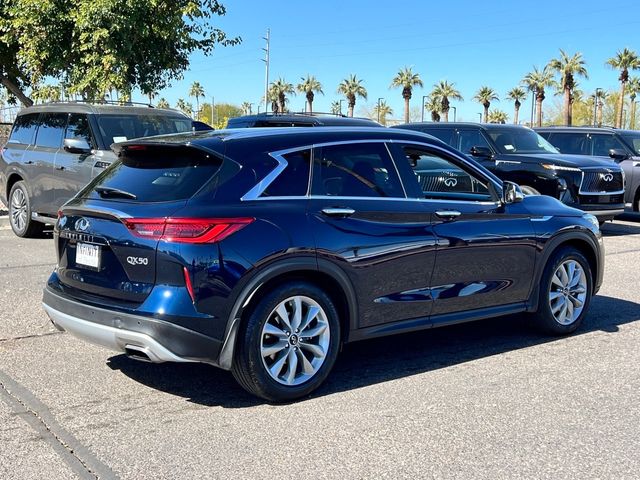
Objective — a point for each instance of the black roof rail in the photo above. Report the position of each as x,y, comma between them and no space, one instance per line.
307,114
101,102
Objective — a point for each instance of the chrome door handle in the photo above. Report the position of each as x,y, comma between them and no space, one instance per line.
338,211
447,214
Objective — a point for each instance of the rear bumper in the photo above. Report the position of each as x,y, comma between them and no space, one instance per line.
155,339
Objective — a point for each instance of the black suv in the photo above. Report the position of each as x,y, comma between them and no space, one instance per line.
299,120
55,149
518,154
622,146
262,251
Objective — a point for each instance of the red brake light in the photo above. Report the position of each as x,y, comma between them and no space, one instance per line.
186,230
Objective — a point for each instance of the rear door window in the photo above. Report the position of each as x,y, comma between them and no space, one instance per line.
355,170
120,128
447,135
51,130
157,174
571,143
24,129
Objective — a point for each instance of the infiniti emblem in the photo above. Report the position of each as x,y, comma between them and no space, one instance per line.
82,224
607,177
450,182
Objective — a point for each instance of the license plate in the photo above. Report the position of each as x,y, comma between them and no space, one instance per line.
88,255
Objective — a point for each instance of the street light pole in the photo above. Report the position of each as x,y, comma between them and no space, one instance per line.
266,76
379,98
455,113
423,102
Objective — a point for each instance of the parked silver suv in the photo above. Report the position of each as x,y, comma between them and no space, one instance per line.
55,149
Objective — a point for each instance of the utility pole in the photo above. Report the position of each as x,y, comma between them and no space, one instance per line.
266,76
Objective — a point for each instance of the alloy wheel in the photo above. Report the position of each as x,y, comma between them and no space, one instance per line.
568,292
18,209
295,340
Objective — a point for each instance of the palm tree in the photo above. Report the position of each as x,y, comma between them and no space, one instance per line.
536,81
600,97
183,106
433,105
624,61
443,91
568,67
246,108
351,87
151,95
162,103
282,88
516,94
498,116
335,107
381,111
196,91
406,79
485,95
309,86
272,94
633,87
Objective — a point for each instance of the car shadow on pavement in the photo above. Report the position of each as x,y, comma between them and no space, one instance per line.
616,229
366,363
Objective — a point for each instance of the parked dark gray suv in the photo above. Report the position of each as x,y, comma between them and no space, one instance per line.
55,149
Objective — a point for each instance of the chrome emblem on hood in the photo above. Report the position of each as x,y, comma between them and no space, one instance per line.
82,224
450,182
607,177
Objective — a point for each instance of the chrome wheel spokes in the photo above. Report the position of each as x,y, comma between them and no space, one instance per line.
567,292
295,340
18,209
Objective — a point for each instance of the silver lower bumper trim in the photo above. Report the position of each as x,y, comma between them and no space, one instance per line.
113,338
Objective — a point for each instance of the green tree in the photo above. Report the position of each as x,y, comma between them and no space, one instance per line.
222,112
335,107
485,95
443,91
381,111
633,87
162,103
624,61
279,90
433,105
518,95
351,87
46,93
406,79
92,46
185,107
568,67
196,91
498,116
600,96
310,86
536,81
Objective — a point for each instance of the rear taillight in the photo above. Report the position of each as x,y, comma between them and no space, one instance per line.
186,230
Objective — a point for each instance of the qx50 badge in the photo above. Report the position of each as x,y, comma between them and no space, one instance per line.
137,260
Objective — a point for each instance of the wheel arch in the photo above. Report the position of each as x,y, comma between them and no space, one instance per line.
581,241
12,179
636,199
321,273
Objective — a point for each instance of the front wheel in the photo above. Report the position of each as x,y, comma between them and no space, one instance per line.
289,343
566,288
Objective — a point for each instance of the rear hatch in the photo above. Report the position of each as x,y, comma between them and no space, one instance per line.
107,236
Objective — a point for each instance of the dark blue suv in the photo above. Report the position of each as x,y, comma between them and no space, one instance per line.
262,251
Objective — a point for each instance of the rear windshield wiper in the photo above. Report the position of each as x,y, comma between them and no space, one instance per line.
114,192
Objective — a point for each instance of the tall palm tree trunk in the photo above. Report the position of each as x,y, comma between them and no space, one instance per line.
567,107
539,111
445,115
310,97
632,111
599,114
406,109
516,112
486,112
620,105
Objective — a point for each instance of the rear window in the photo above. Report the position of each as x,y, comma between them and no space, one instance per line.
123,127
156,174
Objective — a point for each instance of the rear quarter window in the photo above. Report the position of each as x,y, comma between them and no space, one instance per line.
155,175
24,129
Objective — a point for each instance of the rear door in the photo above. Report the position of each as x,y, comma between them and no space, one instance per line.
364,223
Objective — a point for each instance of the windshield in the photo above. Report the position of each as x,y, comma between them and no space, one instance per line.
517,141
123,127
633,140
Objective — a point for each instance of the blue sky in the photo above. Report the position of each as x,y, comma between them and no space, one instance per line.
470,43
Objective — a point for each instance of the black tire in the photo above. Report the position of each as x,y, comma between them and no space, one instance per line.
21,222
544,318
527,190
636,201
248,367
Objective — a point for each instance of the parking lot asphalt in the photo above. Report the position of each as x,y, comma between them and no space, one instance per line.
492,399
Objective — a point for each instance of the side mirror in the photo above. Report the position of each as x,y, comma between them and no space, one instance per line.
481,152
618,154
76,145
511,193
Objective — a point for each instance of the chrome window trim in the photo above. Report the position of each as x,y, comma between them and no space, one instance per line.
257,190
394,199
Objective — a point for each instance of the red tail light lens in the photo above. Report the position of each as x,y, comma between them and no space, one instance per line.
186,230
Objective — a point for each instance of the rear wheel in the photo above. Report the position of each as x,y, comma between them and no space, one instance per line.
20,212
289,343
565,292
